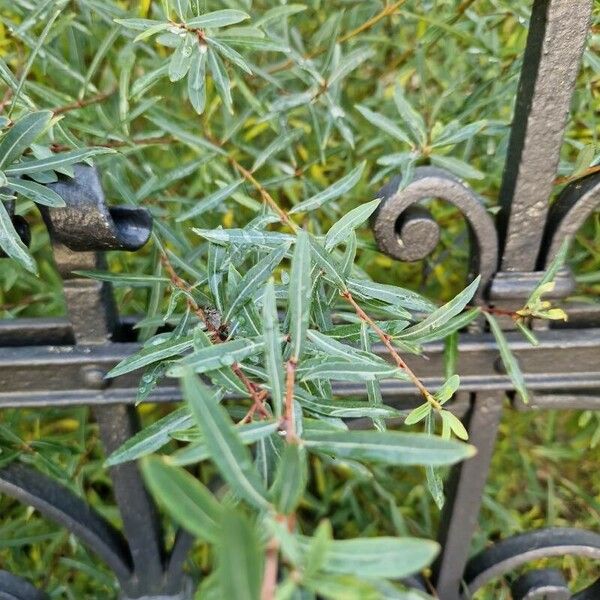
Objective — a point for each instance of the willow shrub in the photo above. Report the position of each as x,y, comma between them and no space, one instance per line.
243,129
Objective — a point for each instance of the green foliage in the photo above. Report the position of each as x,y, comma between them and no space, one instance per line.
256,135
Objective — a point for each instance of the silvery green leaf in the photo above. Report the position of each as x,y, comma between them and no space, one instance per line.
418,414
181,59
299,295
227,451
221,79
327,263
145,82
373,387
211,201
442,315
239,566
185,498
345,409
11,243
137,24
332,368
450,137
527,333
454,324
21,135
216,356
279,13
386,125
218,18
551,271
398,159
410,116
153,30
378,557
254,278
128,279
36,192
229,53
435,484
281,142
289,101
456,166
448,389
454,424
57,161
349,63
252,42
182,7
513,370
197,451
339,188
273,354
390,294
341,229
150,354
151,438
290,479
196,81
349,255
246,237
388,447
329,345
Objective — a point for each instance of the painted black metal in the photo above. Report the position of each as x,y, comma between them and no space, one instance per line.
61,362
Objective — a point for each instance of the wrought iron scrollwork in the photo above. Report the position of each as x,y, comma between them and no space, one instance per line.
577,201
511,553
405,231
16,588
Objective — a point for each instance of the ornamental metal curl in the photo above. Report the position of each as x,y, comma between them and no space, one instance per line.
511,553
405,231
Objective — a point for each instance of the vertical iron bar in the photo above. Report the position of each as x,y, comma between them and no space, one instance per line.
557,34
92,313
464,494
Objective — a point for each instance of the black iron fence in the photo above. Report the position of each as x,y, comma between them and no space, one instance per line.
62,362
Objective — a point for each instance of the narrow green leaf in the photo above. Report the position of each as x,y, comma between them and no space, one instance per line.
442,315
388,447
239,555
332,368
218,18
221,79
341,229
410,116
58,161
454,423
299,295
273,354
418,414
339,188
456,166
36,192
280,143
186,500
450,138
246,237
217,356
230,54
448,390
390,294
455,324
228,452
332,271
21,135
508,359
11,243
290,479
196,81
152,30
254,278
349,63
386,125
211,201
151,438
388,557
181,59
150,354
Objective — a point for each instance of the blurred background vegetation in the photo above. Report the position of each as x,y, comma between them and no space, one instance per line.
457,61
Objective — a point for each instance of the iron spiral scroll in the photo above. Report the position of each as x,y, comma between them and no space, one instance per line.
87,227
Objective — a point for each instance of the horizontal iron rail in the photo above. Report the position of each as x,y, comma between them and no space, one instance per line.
69,375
